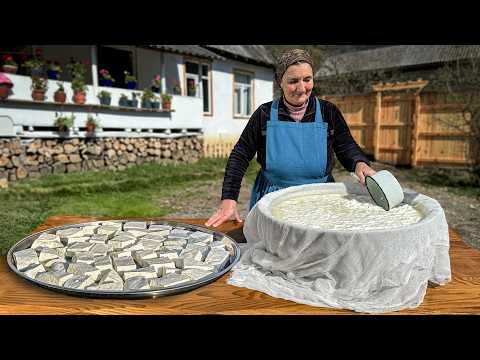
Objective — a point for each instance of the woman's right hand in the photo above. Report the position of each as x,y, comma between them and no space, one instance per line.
226,211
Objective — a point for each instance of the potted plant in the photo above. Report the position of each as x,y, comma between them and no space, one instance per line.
39,88
53,70
79,87
64,123
105,78
123,100
5,86
191,88
166,101
156,84
105,97
147,98
156,102
9,65
177,90
60,96
35,65
134,102
79,91
91,124
130,80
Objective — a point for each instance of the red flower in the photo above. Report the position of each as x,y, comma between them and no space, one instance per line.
86,62
38,52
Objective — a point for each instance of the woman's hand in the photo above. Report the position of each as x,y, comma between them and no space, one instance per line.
362,170
226,211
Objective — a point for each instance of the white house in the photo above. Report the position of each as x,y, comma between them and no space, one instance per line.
220,87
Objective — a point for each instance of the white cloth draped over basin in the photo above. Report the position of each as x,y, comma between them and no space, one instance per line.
370,271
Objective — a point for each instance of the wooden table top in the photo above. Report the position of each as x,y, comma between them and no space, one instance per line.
18,296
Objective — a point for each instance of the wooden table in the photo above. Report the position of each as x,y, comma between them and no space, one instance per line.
18,296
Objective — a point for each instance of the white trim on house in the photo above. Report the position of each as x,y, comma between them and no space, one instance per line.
188,115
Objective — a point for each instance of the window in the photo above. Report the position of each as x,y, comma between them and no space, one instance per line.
243,95
116,61
198,82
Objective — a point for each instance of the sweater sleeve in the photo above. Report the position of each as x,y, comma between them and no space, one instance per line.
346,149
240,157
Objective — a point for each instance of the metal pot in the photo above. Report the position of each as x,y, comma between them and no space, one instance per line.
384,189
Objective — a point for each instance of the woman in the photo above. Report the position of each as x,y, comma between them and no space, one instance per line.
294,139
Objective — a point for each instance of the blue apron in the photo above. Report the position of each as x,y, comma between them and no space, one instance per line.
296,154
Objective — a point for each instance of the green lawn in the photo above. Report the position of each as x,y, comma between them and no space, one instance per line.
137,191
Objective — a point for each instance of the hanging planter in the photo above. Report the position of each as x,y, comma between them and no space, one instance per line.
132,85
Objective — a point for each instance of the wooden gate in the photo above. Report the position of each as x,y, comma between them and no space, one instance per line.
396,122
394,143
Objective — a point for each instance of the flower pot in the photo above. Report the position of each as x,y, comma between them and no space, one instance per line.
36,72
123,102
52,74
38,95
146,104
133,103
166,105
131,85
91,128
106,83
63,131
80,97
60,96
4,92
155,105
11,69
105,100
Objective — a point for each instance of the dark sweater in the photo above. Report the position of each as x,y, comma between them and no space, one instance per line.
253,140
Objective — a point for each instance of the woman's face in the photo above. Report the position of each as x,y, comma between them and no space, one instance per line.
297,83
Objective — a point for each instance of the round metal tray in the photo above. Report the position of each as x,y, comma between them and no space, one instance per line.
138,294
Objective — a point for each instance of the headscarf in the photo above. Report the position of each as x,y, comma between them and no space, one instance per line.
288,58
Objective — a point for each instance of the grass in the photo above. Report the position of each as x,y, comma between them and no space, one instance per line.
136,191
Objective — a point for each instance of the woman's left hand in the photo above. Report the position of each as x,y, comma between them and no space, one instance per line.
362,170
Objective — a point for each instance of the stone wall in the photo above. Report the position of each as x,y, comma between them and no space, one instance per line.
20,158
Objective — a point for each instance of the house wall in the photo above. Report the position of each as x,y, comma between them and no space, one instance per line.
187,112
62,54
222,129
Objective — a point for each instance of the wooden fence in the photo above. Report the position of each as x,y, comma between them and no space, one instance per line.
403,127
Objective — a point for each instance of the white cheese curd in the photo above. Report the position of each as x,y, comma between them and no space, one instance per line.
343,213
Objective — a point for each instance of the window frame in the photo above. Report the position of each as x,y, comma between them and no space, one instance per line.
200,62
252,92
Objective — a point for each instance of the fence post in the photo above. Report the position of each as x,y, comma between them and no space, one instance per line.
415,129
376,134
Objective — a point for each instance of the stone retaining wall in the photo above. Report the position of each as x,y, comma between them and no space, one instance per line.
20,158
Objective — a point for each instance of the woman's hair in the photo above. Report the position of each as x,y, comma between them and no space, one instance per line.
288,58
